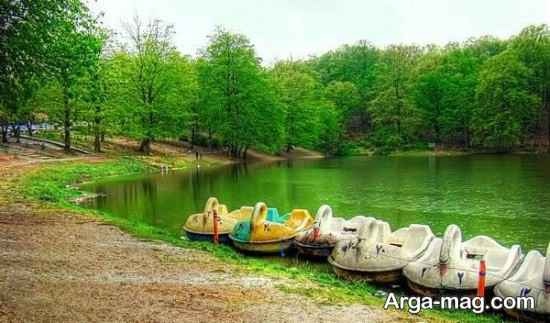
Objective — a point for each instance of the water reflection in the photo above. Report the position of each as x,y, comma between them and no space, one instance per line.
507,197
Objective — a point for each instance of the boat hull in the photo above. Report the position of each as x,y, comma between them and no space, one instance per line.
380,277
263,247
526,316
436,292
313,251
194,236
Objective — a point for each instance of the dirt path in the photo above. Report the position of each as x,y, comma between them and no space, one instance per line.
56,266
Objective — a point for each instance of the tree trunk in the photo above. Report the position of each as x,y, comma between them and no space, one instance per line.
193,140
245,152
546,102
97,143
29,128
4,130
97,130
16,132
209,139
288,148
145,146
66,120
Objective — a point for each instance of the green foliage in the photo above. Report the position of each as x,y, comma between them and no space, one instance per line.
506,107
42,40
155,84
60,66
237,101
355,64
392,112
299,92
331,133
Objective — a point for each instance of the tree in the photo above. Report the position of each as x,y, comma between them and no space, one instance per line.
299,93
236,99
72,52
153,83
505,105
532,47
346,99
355,64
30,32
331,133
96,97
393,115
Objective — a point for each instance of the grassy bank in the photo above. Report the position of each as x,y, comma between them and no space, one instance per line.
54,186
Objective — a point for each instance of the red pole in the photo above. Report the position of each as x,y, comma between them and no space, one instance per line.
316,232
481,279
215,223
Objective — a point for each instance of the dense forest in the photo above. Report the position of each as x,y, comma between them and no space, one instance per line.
60,66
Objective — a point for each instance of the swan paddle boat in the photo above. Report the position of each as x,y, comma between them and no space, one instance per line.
531,280
267,232
202,226
327,230
377,254
451,266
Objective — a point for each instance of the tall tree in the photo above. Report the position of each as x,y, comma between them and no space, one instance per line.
153,80
72,52
236,97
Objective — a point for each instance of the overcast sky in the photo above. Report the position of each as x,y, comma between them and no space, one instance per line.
286,28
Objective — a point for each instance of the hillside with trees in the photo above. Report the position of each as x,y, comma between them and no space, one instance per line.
60,66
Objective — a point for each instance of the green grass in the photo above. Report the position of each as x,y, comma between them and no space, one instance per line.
54,186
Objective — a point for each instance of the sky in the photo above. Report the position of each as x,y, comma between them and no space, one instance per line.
282,29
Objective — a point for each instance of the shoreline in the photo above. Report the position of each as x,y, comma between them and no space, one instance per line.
328,286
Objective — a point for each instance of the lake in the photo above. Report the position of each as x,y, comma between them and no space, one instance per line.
506,197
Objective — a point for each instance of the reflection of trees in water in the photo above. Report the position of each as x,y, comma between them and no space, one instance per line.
505,197
238,170
196,185
150,193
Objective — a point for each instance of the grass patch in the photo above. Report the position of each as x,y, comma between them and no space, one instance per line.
54,186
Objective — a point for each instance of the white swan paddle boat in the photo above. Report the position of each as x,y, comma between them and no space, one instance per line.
531,280
377,254
327,230
451,266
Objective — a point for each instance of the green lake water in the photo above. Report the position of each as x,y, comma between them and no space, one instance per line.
506,197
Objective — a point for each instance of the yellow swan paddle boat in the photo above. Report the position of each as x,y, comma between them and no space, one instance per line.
201,226
267,232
